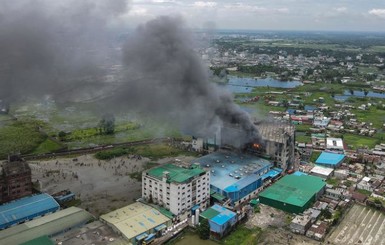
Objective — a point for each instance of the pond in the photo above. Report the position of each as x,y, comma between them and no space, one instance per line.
360,94
246,84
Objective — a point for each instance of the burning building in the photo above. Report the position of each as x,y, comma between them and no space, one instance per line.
278,140
234,177
270,139
15,180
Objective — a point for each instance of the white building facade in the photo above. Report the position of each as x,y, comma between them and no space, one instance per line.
176,188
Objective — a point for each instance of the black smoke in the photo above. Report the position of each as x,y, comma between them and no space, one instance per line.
58,48
52,47
164,77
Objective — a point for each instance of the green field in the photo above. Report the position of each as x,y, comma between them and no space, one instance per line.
20,137
47,146
243,236
357,141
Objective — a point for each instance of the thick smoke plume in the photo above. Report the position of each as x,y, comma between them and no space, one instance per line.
52,47
166,78
59,48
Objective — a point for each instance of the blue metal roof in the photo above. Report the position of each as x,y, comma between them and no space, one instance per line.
310,108
291,111
299,173
242,183
272,173
141,236
330,158
26,208
224,215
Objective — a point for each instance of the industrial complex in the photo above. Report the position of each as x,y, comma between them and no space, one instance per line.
137,222
236,177
49,225
177,188
26,208
293,193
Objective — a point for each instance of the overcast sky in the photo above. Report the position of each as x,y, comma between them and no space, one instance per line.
333,15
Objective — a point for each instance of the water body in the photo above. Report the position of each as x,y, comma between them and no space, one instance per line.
246,84
360,94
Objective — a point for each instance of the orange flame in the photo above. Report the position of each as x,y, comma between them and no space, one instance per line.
256,145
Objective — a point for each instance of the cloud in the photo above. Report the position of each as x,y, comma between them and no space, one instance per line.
341,10
138,11
201,4
378,13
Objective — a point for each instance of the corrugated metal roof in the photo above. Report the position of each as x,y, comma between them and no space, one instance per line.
47,225
24,208
209,213
330,158
135,219
293,189
218,214
176,174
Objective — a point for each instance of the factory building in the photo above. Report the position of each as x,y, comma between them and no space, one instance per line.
47,226
221,220
278,143
26,208
15,179
176,188
330,160
293,193
235,177
137,222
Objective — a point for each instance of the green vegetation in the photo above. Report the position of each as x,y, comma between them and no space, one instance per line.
243,236
302,138
302,127
314,156
203,229
110,154
332,181
152,151
365,192
47,146
157,151
358,141
20,137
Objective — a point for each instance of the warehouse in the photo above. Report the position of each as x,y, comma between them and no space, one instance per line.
137,222
322,172
26,208
330,160
235,176
49,225
293,193
221,220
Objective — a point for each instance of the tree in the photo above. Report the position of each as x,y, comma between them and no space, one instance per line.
62,135
204,229
107,124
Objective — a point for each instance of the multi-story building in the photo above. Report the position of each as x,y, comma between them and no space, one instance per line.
15,180
176,188
278,140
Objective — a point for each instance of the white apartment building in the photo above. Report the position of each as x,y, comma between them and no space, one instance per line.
176,188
